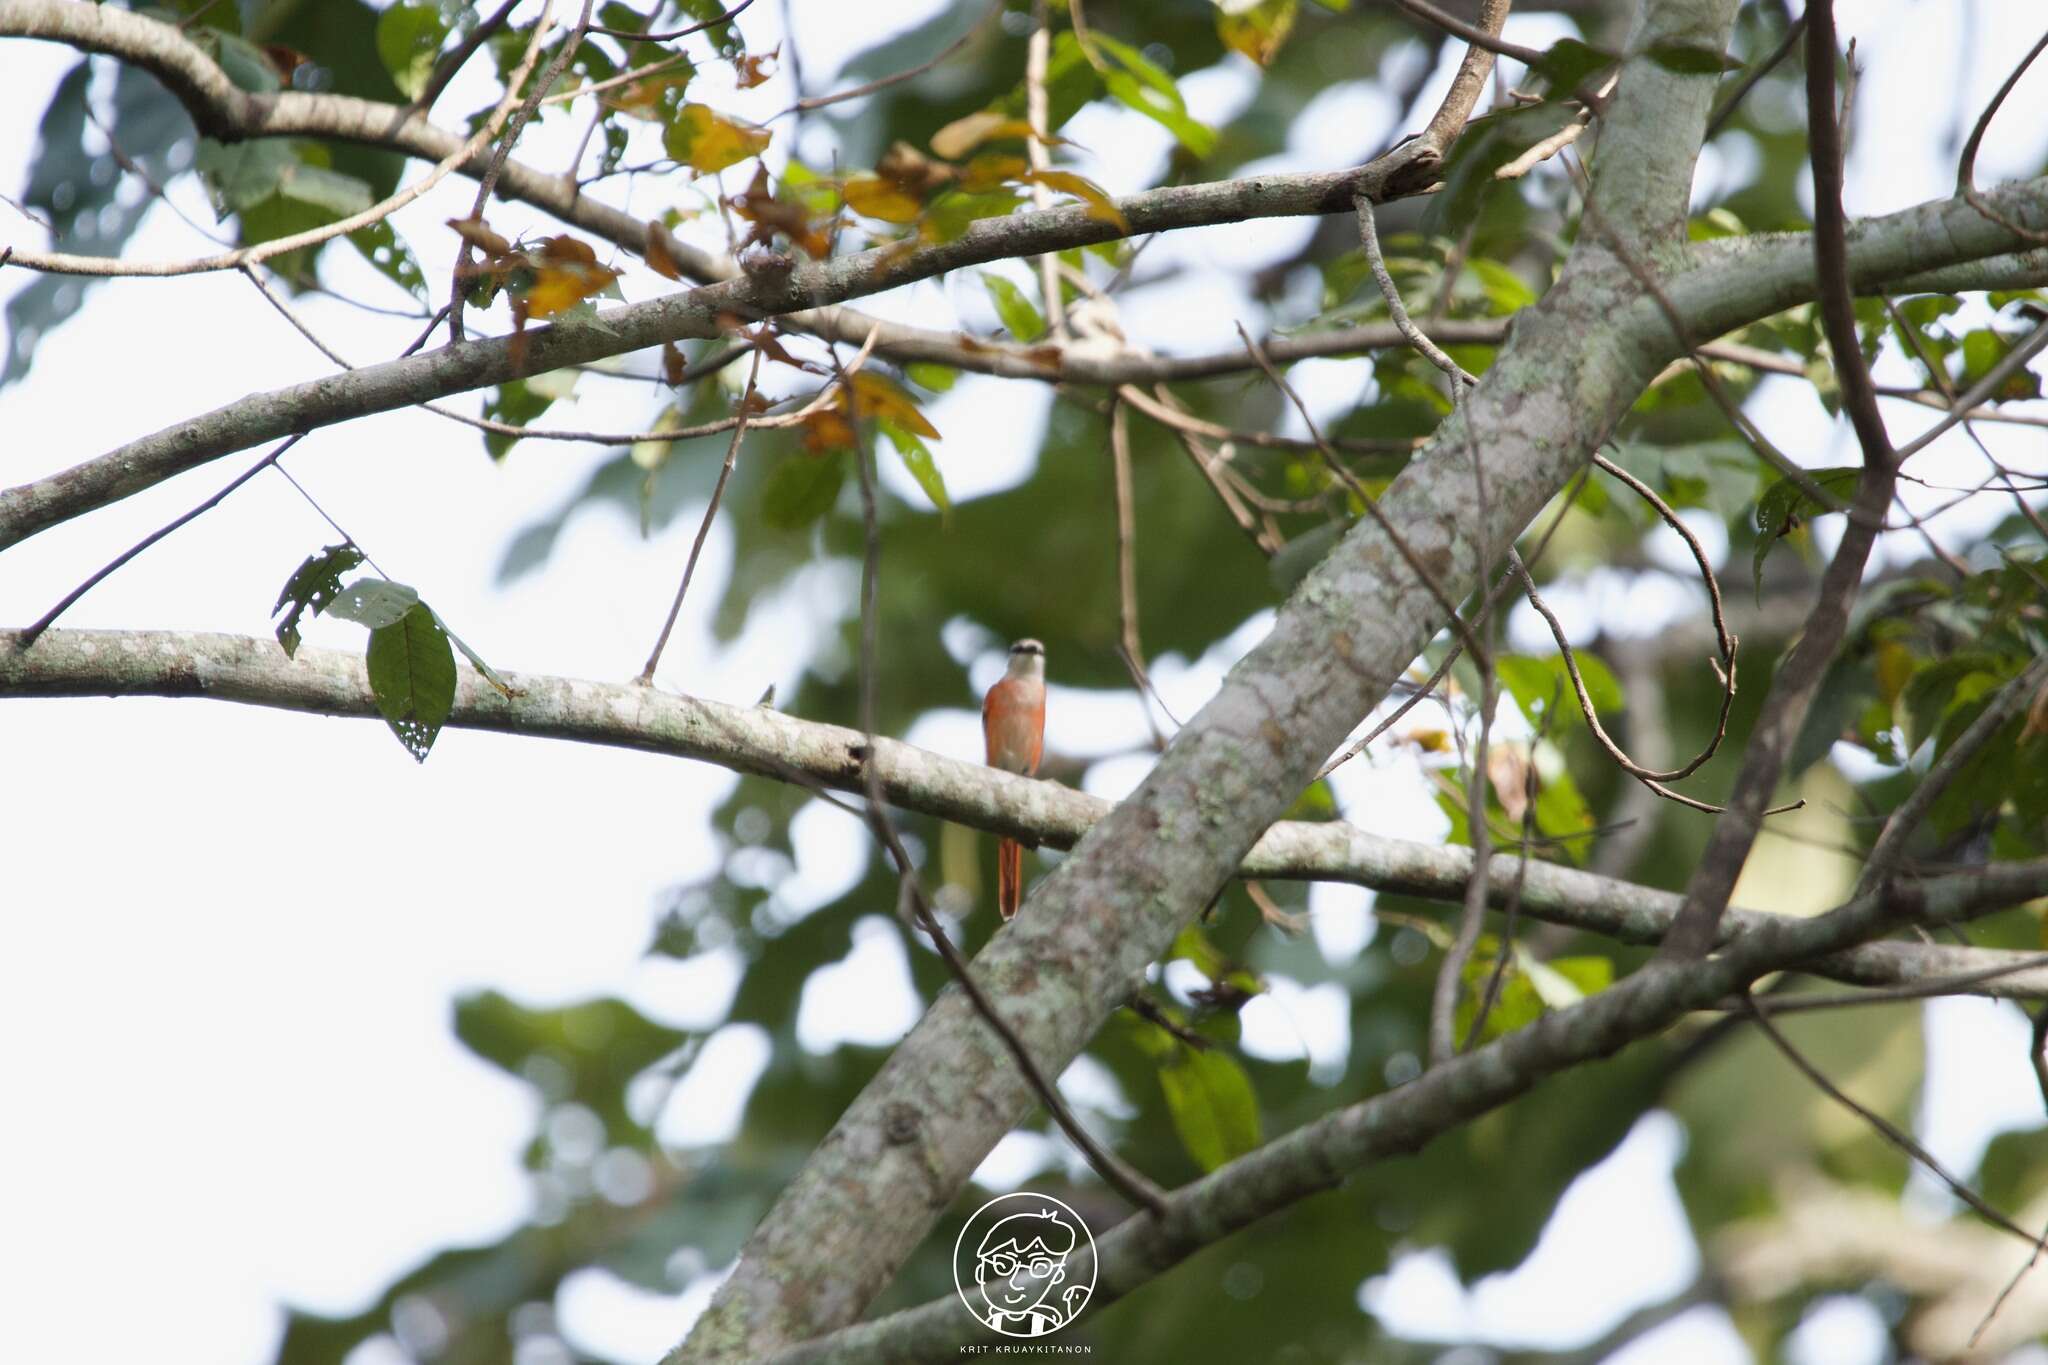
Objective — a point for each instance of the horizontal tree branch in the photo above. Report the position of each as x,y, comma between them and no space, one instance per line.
769,743
1320,1155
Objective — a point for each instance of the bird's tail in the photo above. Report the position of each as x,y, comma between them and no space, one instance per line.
1009,876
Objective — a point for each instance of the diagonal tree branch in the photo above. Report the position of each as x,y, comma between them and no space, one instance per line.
1319,1155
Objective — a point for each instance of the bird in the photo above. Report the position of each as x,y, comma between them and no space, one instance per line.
1013,723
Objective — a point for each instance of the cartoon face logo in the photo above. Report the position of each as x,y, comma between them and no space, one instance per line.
1015,1264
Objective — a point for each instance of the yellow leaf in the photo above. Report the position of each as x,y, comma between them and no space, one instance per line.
876,395
991,169
651,455
1257,30
963,135
1895,666
1100,205
565,272
870,194
705,140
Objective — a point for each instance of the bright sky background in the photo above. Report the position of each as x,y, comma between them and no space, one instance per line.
234,935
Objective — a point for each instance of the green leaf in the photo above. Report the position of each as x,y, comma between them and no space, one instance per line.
412,676
1941,684
1141,86
1020,316
951,213
1567,62
1534,682
373,602
476,660
316,584
243,63
931,376
802,489
917,458
383,248
1488,144
1785,507
517,403
1212,1104
1690,60
409,38
1505,291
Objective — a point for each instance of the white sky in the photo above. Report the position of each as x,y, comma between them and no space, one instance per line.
230,1024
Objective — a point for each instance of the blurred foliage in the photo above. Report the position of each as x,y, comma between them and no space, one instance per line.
919,161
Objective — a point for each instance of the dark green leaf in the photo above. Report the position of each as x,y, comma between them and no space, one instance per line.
1567,62
412,677
1689,60
802,489
316,584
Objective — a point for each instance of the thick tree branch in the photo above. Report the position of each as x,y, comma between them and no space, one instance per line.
768,743
1319,1156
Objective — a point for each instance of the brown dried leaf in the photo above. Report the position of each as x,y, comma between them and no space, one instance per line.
750,70
478,234
660,253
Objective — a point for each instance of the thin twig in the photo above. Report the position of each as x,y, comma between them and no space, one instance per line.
1966,168
673,33
465,260
64,263
43,622
1371,504
1132,1184
804,106
1443,1005
1891,840
1478,37
1885,1127
1036,112
445,69
1498,977
1750,78
1129,643
732,455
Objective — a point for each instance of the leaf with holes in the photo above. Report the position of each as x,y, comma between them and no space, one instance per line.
315,584
373,602
1785,507
412,677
